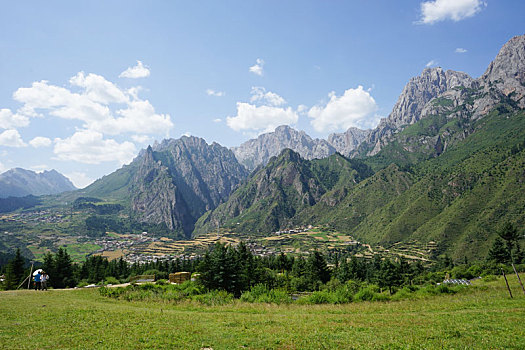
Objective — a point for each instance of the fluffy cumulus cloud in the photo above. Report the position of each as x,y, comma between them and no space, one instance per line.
260,95
11,138
90,147
356,107
260,118
141,138
138,71
100,104
263,114
211,92
257,68
40,141
456,10
10,120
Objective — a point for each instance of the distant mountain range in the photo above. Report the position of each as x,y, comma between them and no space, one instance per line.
447,165
19,182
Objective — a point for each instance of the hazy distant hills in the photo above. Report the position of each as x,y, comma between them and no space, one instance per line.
19,182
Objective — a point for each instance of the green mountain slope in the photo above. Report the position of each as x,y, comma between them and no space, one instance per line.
274,195
458,199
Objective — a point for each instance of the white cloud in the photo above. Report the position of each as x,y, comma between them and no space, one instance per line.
140,117
211,92
259,94
90,147
40,141
8,120
456,10
101,105
141,138
61,102
98,89
355,108
260,118
431,63
3,168
138,71
460,50
217,120
80,180
302,109
257,68
11,138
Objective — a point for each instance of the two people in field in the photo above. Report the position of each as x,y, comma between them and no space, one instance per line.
40,279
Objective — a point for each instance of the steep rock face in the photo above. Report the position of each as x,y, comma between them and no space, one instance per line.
455,94
507,72
181,179
259,151
348,141
416,94
19,182
420,90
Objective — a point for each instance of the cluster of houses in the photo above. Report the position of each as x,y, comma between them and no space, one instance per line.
293,230
41,216
133,258
259,250
128,242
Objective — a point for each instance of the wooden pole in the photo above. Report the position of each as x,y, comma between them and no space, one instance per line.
24,281
30,274
507,282
519,279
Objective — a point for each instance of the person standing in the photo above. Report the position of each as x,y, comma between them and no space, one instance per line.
43,280
37,279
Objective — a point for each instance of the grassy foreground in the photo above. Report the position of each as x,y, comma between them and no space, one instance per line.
484,317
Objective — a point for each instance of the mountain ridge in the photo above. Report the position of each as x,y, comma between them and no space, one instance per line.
18,182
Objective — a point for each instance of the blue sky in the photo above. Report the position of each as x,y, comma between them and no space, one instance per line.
86,85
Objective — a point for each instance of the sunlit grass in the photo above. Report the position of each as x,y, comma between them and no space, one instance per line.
482,317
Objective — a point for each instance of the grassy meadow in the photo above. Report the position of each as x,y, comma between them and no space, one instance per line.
481,317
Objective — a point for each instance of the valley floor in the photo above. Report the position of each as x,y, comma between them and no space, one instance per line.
484,317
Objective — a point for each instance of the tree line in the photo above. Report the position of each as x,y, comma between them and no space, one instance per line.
236,269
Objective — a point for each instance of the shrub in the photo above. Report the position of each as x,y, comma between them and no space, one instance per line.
370,293
83,283
111,280
343,295
403,293
214,297
260,293
318,297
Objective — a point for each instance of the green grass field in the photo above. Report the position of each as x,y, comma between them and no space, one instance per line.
484,317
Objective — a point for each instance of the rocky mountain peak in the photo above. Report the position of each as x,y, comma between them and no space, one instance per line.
421,89
507,71
259,151
179,179
348,141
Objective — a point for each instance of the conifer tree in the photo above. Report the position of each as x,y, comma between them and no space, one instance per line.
498,252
